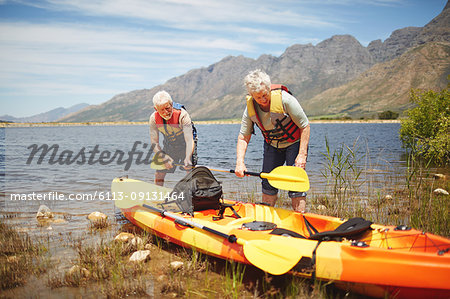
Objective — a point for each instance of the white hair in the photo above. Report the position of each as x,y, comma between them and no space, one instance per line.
161,97
257,81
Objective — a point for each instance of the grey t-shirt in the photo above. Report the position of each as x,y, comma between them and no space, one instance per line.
291,107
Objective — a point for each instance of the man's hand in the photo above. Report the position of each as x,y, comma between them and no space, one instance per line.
161,158
168,162
188,164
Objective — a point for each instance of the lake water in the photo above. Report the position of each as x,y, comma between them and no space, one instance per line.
216,148
378,144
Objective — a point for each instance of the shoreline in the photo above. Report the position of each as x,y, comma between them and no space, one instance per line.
199,122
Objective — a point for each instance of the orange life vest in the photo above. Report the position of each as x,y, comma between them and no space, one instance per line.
171,128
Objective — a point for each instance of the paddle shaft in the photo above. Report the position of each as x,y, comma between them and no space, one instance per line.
258,174
232,171
230,238
262,175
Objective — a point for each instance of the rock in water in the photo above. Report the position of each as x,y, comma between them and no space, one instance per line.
97,216
44,212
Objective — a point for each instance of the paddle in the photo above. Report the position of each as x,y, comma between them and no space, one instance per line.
283,177
271,256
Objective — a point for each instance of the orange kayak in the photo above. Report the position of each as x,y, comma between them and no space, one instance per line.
370,259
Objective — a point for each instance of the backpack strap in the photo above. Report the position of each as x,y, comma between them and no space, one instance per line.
223,207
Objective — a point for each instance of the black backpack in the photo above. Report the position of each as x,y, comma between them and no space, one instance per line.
198,190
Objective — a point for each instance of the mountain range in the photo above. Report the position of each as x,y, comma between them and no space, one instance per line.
49,116
337,77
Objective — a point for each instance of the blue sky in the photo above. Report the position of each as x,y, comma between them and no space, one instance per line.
58,53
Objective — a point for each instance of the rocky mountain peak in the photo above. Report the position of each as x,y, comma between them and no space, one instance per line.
403,39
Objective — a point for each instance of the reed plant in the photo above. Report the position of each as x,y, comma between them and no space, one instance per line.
174,284
342,172
428,209
233,276
19,257
106,264
356,188
99,224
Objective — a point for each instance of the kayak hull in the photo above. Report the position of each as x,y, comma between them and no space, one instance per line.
381,262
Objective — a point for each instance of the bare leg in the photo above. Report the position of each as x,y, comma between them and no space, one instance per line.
159,178
269,199
299,204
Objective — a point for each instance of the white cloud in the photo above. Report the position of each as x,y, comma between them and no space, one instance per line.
197,15
46,49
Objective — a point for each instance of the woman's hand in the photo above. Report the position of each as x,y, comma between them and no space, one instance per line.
300,161
240,169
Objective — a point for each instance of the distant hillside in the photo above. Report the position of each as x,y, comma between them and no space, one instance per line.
217,91
386,86
49,116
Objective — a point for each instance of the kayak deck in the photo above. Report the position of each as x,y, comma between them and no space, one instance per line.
377,261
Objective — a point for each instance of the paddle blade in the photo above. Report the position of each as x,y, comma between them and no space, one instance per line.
157,163
288,178
273,257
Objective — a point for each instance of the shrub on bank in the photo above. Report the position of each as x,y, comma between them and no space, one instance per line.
425,131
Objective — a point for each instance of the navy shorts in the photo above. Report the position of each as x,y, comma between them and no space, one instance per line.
274,157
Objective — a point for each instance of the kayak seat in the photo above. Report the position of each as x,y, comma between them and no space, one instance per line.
352,228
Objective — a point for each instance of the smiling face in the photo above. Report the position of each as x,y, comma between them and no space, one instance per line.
165,110
262,98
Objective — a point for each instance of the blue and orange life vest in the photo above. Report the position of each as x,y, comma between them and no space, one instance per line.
284,128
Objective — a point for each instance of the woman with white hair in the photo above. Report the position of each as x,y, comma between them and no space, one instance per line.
174,123
284,126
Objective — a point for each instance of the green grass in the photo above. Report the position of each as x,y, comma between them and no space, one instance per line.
19,257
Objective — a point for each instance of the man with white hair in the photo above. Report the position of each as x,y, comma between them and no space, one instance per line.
174,123
285,129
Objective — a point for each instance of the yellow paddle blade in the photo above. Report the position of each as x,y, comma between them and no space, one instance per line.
288,178
157,163
271,256
128,193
